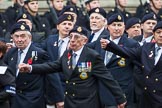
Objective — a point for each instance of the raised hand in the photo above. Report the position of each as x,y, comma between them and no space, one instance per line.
24,68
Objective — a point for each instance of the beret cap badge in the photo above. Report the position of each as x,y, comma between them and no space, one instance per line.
24,16
69,17
154,16
97,10
119,17
22,27
71,9
79,29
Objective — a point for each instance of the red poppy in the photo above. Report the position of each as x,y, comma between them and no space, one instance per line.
30,61
69,56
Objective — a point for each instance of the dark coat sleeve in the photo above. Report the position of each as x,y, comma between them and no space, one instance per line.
102,74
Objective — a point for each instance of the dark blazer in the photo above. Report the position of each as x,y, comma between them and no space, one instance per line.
123,74
29,88
6,79
57,79
82,93
138,38
151,74
95,45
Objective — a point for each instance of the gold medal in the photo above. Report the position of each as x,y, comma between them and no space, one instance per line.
83,75
121,62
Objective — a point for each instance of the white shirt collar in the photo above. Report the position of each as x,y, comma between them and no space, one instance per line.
97,34
26,49
148,39
116,41
64,39
79,51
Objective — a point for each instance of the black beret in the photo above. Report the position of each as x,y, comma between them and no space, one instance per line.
98,10
19,26
24,16
65,17
150,16
132,21
68,8
158,26
27,1
115,18
80,30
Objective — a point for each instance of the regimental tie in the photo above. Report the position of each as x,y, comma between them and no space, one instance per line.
108,56
60,47
157,54
18,60
74,62
91,37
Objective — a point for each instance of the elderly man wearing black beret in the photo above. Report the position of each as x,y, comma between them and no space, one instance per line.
121,68
83,68
29,88
149,55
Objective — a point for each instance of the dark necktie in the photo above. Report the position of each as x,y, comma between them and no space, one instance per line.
60,47
91,37
74,60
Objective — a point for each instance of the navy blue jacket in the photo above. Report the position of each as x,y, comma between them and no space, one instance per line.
151,74
29,88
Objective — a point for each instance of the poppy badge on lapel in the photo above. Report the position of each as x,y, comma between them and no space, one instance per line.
30,61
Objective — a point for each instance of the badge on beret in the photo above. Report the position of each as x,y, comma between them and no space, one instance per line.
79,29
24,16
22,27
97,10
71,9
83,75
69,17
121,62
119,17
154,16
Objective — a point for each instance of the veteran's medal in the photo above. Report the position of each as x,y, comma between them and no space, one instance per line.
55,43
83,75
121,62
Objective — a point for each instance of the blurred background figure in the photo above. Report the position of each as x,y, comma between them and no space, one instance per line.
40,24
80,11
54,10
154,6
90,4
120,6
4,23
13,11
